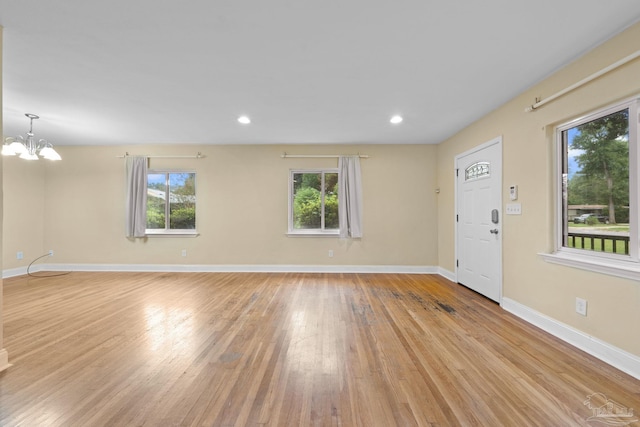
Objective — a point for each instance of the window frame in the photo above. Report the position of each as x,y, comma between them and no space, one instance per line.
292,232
621,265
189,232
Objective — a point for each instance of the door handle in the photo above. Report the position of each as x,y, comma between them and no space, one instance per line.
494,231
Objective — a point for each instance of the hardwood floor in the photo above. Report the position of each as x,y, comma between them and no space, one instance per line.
215,349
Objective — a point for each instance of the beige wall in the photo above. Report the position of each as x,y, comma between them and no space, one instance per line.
614,304
24,211
77,206
3,353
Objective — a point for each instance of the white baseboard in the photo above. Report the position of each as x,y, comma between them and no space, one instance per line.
449,275
604,351
4,360
13,272
240,268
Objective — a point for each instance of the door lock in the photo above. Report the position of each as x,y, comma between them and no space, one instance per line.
494,216
494,231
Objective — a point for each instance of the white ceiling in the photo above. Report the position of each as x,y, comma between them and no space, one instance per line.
304,71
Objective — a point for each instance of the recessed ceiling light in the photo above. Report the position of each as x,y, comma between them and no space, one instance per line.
396,119
244,120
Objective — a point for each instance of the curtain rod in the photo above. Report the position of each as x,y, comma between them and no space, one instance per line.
583,82
197,156
319,156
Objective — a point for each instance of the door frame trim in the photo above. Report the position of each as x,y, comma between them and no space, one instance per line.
491,142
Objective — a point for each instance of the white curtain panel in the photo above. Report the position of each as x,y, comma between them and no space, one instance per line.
136,203
350,197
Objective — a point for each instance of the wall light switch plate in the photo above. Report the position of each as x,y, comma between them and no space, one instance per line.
514,209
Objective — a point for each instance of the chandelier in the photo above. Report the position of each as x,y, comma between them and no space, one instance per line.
28,148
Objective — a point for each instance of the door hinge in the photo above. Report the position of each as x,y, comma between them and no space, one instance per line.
457,218
457,172
457,263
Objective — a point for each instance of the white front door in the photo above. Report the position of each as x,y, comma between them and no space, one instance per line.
479,219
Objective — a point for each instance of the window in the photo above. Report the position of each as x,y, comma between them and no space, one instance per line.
171,202
597,187
313,202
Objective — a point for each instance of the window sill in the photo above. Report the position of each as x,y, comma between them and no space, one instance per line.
172,233
312,233
625,268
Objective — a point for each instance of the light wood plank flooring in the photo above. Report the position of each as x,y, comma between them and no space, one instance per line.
205,349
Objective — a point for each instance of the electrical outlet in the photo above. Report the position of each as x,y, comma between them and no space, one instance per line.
581,306
184,252
330,253
19,255
50,252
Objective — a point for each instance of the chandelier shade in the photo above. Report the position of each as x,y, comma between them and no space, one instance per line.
28,148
